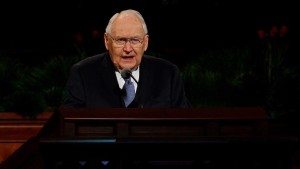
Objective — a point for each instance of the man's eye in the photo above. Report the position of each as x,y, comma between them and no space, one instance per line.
135,41
122,40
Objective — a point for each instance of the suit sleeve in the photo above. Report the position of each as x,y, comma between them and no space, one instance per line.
178,97
74,95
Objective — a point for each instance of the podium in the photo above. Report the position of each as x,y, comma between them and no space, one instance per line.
156,138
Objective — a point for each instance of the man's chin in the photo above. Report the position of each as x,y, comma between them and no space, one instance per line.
128,66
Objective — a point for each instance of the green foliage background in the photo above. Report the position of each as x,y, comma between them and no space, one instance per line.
229,77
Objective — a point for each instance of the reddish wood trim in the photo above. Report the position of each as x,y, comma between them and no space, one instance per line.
18,116
15,130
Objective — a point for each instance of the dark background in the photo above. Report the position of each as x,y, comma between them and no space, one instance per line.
35,30
215,44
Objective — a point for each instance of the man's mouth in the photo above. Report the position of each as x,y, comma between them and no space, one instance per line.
127,57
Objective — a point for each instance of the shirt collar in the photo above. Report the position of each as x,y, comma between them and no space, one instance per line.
135,74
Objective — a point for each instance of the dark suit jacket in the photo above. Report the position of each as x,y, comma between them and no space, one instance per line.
92,83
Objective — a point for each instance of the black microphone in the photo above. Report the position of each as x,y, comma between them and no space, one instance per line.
126,73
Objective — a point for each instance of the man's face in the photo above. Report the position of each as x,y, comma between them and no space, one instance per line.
127,42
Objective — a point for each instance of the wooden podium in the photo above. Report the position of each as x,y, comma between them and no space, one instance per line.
156,138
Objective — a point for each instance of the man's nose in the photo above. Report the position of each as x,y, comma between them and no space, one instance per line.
127,45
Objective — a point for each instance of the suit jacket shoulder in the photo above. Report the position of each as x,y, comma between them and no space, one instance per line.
160,84
92,83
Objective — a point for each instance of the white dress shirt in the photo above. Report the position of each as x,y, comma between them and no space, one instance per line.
135,74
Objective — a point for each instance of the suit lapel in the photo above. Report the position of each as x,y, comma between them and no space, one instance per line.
145,82
110,83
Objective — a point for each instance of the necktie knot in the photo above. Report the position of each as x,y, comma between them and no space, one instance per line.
129,92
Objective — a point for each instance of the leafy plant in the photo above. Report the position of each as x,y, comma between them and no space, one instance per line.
10,72
216,78
33,90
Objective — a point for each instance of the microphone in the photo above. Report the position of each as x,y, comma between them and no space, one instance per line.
126,73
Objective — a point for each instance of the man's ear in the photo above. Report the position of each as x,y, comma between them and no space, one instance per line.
105,40
146,42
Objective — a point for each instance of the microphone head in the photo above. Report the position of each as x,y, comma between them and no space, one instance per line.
125,73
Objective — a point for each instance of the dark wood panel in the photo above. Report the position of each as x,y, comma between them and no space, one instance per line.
158,138
15,130
122,123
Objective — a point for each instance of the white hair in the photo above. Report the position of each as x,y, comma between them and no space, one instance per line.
128,11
